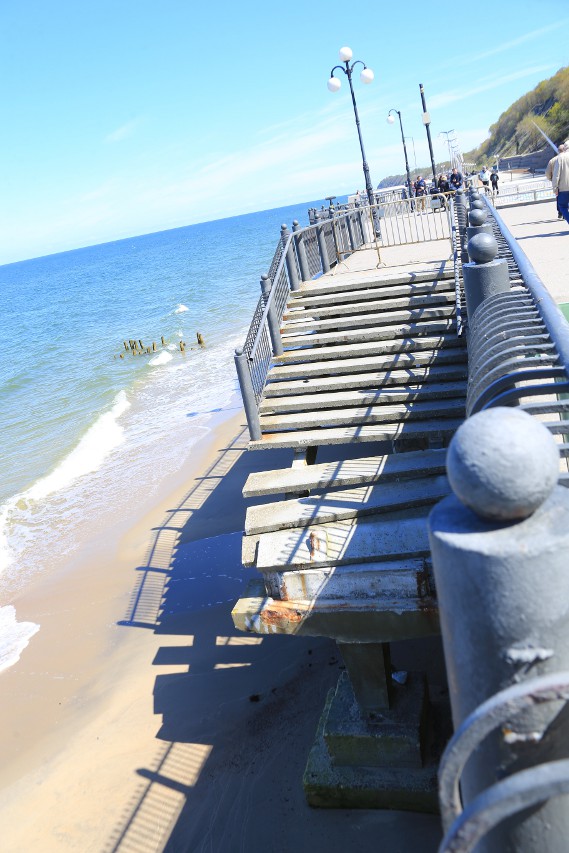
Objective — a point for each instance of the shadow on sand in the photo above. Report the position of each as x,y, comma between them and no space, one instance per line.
239,712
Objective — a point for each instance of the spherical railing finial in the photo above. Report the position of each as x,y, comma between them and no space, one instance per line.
477,217
482,248
502,464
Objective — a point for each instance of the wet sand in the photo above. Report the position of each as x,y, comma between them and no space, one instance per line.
138,718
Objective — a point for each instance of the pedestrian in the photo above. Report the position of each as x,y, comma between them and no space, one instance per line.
494,178
560,182
549,173
455,180
443,186
484,177
420,188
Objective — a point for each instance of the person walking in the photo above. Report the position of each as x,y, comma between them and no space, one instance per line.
494,178
484,176
560,181
549,173
420,192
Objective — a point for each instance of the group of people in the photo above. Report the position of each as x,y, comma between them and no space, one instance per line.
486,178
418,188
557,171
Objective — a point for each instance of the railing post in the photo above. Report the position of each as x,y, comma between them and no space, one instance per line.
349,223
477,222
486,275
361,225
499,546
247,394
272,320
290,260
322,248
301,251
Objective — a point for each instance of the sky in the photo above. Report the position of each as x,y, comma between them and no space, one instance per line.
133,116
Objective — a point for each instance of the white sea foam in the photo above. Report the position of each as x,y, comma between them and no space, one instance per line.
181,308
162,358
14,636
105,434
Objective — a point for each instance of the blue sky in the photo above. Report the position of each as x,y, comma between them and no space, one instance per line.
130,116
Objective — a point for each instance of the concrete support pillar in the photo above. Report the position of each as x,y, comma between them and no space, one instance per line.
369,670
499,548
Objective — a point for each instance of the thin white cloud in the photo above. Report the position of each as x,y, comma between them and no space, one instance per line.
458,61
122,132
453,95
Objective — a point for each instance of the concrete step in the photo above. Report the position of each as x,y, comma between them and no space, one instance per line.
337,283
370,303
346,503
353,365
394,414
397,580
371,347
362,335
408,431
355,621
359,321
346,472
377,379
362,397
400,536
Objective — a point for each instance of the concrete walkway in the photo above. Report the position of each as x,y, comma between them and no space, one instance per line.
545,240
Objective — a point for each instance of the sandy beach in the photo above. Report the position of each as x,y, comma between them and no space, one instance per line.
143,721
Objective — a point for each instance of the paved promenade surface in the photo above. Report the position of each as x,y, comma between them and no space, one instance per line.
545,240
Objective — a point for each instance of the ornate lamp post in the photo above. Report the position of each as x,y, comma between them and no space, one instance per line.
391,120
366,76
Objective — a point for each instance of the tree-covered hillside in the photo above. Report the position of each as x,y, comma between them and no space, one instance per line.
515,132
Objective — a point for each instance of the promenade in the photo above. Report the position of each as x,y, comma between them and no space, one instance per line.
545,240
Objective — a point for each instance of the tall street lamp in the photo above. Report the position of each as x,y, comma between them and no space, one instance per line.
391,120
427,122
447,133
366,76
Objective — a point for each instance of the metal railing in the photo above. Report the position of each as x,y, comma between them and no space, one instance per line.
519,343
307,252
299,256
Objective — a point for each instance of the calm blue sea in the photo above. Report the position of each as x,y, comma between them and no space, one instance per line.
85,431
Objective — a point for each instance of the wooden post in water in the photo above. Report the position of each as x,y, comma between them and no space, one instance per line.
125,345
163,341
201,341
182,346
153,347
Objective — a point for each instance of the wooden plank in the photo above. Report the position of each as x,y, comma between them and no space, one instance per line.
361,397
353,541
449,355
371,304
378,379
299,299
359,321
439,430
346,503
363,335
370,347
346,472
450,408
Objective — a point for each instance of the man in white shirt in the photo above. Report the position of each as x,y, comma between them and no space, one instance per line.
560,181
549,171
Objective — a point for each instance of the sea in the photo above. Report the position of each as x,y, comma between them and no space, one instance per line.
87,427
